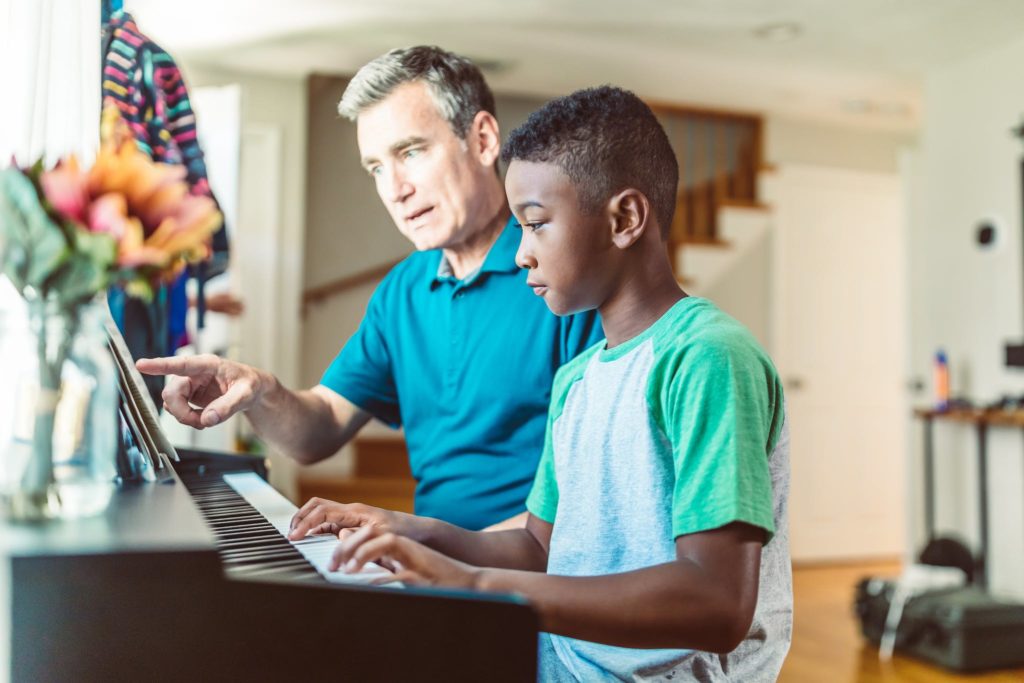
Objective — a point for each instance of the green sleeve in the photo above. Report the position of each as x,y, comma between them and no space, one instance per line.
719,403
543,499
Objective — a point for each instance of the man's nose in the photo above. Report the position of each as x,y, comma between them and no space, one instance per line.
397,186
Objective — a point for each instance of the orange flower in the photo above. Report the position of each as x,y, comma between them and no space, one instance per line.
158,222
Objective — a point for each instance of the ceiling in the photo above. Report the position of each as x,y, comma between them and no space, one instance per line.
859,62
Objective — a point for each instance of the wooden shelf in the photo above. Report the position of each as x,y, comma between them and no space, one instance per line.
976,416
705,242
751,204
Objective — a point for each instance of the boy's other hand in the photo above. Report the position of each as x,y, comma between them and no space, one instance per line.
320,516
412,562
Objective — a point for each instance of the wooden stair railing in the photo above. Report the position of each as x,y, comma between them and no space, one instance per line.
334,287
720,154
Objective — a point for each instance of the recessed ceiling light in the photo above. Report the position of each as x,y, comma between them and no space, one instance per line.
781,32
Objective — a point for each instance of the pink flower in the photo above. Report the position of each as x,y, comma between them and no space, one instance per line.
67,189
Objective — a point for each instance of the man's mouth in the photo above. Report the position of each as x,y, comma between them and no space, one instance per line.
416,215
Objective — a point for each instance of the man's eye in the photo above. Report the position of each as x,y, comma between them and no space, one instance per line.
374,171
411,153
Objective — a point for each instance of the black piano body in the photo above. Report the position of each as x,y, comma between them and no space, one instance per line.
139,593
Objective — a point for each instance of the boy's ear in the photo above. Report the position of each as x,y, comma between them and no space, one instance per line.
631,217
484,138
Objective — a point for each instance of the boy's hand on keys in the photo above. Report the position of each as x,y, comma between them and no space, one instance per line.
320,516
413,563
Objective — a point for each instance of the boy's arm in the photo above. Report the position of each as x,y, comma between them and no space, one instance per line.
522,548
703,600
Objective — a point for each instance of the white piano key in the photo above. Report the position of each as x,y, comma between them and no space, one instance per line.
279,511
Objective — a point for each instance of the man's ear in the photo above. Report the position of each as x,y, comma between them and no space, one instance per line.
484,137
631,217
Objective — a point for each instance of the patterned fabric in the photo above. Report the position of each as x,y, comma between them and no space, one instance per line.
146,85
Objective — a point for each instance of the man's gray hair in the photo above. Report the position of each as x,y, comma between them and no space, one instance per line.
456,84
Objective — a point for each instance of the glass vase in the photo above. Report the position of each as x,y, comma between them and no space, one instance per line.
58,412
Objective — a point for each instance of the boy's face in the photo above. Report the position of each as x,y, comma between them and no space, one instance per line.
568,253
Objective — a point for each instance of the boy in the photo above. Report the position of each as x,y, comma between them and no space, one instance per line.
657,531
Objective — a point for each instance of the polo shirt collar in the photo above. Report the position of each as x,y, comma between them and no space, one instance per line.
501,258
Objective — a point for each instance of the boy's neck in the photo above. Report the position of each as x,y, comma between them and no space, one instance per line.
644,294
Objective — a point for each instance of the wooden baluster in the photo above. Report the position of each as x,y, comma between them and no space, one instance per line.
721,163
700,197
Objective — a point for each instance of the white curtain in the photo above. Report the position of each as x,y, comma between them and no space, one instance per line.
49,79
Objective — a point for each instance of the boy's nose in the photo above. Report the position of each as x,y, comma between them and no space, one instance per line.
524,256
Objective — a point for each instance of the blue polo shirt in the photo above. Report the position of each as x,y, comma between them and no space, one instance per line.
466,367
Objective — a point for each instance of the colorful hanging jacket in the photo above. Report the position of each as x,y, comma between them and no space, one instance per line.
147,86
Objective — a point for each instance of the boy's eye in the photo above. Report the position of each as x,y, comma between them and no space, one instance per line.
534,225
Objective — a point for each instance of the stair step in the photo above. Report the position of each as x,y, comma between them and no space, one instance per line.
387,493
381,457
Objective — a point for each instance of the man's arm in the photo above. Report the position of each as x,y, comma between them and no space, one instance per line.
703,600
306,425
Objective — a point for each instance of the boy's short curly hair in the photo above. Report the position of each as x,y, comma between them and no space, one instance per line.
605,139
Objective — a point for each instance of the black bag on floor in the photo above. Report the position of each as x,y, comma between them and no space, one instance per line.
965,629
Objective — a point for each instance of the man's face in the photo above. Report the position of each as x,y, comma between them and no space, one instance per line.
567,251
427,177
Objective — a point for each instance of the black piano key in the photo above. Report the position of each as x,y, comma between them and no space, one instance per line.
248,544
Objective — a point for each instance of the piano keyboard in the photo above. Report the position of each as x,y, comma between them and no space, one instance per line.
250,521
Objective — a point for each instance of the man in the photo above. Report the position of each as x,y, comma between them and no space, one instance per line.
454,346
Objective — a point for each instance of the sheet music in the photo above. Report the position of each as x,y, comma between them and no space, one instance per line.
140,411
279,511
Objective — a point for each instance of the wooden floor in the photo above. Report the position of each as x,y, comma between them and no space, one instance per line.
827,645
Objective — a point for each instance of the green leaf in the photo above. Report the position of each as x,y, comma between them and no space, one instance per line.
140,288
34,245
87,269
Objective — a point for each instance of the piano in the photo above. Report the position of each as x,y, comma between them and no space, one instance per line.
187,576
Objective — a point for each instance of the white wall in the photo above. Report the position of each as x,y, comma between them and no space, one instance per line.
812,143
965,300
745,291
278,104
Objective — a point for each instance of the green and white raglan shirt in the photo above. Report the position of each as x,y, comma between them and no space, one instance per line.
676,431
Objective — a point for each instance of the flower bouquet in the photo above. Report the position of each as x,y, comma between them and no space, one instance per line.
66,235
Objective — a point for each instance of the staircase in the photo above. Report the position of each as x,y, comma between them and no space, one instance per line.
704,266
380,477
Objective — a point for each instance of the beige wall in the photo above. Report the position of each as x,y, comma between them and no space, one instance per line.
966,300
278,104
812,143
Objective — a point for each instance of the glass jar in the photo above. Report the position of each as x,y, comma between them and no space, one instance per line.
58,411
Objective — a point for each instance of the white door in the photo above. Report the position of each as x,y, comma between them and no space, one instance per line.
839,337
